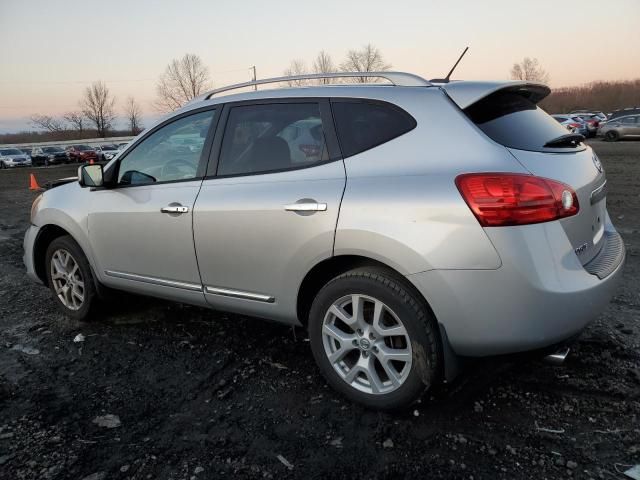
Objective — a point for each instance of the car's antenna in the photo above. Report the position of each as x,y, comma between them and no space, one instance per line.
446,79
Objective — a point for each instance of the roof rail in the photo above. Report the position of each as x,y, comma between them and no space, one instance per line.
400,79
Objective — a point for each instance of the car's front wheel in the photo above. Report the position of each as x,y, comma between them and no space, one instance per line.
70,278
374,339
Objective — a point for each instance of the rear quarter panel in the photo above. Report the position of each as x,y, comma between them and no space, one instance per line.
401,205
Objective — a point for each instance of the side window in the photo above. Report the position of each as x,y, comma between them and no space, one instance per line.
279,136
170,153
629,120
364,125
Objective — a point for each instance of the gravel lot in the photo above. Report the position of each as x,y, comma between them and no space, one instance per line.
201,394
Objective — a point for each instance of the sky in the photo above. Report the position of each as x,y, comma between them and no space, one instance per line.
50,50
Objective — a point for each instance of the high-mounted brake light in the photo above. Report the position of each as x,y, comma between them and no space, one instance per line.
502,199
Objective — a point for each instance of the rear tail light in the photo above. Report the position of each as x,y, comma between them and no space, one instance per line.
502,199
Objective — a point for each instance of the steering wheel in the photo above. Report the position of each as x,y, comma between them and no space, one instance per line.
172,169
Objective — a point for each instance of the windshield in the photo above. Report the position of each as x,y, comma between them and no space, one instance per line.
514,121
10,151
52,150
82,148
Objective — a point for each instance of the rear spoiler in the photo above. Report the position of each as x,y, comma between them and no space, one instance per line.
465,94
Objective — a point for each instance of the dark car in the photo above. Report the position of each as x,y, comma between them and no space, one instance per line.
48,156
82,153
623,112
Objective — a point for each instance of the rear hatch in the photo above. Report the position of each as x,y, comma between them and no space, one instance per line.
509,115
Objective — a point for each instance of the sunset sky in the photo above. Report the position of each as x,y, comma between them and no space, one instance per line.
51,50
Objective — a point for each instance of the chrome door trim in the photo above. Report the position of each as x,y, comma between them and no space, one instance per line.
227,292
154,280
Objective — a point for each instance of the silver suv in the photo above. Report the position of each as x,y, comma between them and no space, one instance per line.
405,224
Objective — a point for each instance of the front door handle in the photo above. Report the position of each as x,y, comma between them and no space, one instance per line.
306,207
174,208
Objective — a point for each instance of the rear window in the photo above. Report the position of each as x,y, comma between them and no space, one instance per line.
514,121
364,125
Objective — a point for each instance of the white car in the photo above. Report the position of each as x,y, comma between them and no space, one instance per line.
12,157
107,152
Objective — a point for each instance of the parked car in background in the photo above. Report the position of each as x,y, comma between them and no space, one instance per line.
48,156
572,123
620,127
26,151
601,115
438,221
122,146
106,152
82,153
623,112
592,121
12,157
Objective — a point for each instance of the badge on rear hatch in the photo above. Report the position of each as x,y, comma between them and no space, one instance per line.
596,162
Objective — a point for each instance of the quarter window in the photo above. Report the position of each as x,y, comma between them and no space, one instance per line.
264,138
171,153
364,125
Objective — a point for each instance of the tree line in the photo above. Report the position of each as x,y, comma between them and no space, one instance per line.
188,77
95,115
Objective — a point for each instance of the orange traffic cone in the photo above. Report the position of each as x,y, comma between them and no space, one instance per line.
33,183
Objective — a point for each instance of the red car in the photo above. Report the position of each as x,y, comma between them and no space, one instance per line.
82,153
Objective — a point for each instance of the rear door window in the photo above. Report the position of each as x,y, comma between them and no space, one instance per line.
512,120
272,137
364,125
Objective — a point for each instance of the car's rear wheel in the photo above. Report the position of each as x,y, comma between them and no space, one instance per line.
612,136
70,278
374,339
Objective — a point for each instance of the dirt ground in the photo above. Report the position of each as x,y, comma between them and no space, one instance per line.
202,394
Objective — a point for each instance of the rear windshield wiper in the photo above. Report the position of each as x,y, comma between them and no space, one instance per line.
568,140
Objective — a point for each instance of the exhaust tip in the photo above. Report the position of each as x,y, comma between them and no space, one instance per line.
557,358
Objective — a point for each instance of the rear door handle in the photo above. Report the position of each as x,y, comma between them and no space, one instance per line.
306,207
174,209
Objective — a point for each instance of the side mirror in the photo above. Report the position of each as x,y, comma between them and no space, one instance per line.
90,176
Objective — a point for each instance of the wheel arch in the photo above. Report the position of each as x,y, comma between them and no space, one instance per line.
46,235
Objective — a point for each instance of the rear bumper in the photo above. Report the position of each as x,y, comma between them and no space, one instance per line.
541,296
27,258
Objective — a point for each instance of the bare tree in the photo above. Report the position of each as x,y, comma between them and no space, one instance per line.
529,69
76,119
97,106
324,64
133,115
48,123
296,67
183,79
367,59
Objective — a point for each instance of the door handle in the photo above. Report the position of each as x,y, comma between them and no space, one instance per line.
306,207
174,209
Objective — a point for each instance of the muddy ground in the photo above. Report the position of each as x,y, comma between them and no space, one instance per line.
201,394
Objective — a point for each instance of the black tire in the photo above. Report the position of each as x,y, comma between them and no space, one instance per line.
411,309
68,244
2,165
612,136
46,162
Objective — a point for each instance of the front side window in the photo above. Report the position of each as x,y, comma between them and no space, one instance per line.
263,138
628,120
170,153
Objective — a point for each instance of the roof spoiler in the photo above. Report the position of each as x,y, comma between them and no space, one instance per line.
465,94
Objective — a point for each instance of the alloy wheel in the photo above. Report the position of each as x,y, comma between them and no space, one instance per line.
67,279
367,344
